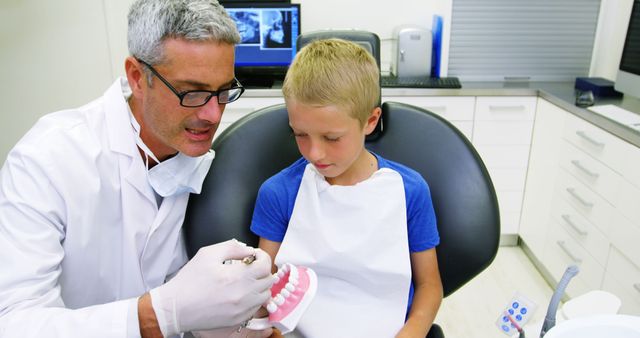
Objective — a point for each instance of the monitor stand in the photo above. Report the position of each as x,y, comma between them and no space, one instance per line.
259,81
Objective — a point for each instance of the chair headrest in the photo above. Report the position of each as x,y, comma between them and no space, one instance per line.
368,40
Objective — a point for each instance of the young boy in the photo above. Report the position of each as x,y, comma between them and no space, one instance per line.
365,224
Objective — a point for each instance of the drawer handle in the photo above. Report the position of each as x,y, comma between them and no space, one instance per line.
566,250
575,227
507,108
637,286
436,108
584,169
582,201
589,139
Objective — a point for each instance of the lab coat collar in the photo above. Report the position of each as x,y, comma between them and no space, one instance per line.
121,138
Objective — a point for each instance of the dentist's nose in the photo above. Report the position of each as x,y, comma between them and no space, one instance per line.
212,111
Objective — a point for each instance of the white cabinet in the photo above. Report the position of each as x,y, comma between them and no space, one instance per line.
627,287
502,135
541,175
458,110
581,205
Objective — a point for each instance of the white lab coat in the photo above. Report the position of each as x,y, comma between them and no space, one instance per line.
81,235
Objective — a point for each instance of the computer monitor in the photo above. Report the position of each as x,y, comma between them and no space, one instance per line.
269,31
628,78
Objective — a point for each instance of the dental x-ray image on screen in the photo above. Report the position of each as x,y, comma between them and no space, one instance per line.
269,31
276,29
248,23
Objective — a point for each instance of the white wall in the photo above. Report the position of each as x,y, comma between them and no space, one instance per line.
378,16
53,55
61,54
320,15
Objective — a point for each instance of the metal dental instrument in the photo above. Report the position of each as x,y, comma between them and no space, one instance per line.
247,260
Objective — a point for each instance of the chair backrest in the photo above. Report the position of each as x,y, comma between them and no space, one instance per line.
260,144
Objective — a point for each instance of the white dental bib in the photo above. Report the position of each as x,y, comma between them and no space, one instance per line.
355,238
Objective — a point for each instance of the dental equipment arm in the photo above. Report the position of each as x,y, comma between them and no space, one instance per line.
550,318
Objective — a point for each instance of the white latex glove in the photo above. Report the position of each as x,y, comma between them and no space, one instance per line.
207,294
232,332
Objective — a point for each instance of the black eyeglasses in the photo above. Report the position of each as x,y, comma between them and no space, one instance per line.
198,98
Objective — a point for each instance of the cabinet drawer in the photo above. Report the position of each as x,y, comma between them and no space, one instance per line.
508,179
509,222
592,173
510,200
624,236
631,167
614,152
466,127
502,132
628,202
589,204
561,251
450,107
504,156
601,145
581,230
521,108
623,279
510,203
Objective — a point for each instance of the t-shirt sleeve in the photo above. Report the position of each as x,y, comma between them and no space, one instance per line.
270,216
421,218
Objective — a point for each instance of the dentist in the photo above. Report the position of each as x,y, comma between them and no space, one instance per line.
92,199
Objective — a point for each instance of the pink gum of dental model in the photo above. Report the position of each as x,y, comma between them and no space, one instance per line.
291,294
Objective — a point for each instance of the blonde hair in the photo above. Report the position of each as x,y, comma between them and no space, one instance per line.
335,72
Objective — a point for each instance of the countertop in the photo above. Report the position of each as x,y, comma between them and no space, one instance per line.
561,94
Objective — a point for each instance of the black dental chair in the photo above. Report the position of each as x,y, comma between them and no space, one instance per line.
260,144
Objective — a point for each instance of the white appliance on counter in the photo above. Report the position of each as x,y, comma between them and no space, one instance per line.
412,47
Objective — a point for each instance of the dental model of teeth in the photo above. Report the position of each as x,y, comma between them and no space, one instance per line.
291,294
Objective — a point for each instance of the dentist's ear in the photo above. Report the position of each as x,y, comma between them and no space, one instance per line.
135,75
372,120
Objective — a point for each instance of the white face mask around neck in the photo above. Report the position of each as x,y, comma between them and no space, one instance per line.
176,175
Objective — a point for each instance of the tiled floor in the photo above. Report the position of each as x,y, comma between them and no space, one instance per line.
472,311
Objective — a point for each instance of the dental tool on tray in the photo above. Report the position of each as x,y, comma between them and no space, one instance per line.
291,294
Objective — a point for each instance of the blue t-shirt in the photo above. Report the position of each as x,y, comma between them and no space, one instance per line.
277,197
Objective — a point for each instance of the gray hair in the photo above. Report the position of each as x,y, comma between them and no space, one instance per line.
152,21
